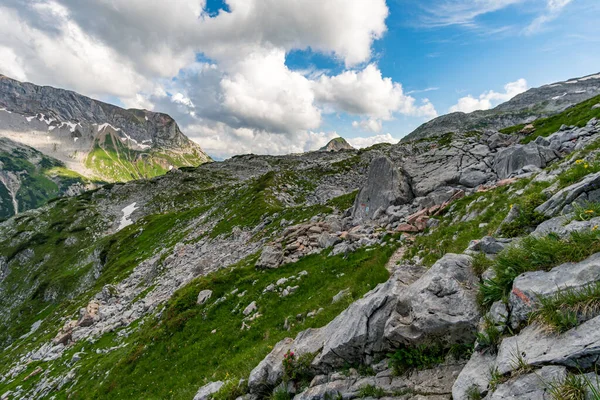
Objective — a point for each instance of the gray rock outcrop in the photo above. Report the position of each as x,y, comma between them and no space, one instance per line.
439,307
386,186
585,190
206,391
512,160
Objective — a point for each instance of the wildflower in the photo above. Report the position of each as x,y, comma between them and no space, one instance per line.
511,206
586,166
589,211
595,227
580,161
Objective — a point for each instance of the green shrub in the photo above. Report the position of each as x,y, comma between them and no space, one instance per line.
280,394
297,368
480,263
528,218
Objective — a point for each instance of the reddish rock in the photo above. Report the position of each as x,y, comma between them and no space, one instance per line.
421,222
412,218
407,228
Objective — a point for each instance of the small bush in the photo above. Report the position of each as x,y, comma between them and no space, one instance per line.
297,369
280,394
231,390
528,218
420,357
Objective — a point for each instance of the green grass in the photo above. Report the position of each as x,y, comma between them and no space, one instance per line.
491,335
574,387
420,357
534,254
579,170
453,235
163,358
586,211
578,115
566,308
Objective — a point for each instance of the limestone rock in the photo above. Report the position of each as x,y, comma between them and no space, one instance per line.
271,257
476,374
440,306
203,296
511,160
250,308
206,391
587,189
533,386
577,348
386,186
529,285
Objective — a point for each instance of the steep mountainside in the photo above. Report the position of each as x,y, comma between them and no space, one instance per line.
92,138
466,266
28,179
526,107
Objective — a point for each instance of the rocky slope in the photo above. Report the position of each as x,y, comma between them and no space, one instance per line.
524,108
464,267
92,138
28,179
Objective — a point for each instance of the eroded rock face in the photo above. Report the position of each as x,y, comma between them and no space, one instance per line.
439,307
528,286
585,190
577,348
511,160
271,257
476,374
206,391
533,386
386,186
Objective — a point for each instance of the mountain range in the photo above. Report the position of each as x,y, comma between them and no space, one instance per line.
85,139
461,264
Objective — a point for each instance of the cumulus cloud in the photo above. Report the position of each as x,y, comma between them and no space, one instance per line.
146,52
367,92
361,142
490,98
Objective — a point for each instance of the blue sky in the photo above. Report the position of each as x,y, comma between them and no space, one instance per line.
285,76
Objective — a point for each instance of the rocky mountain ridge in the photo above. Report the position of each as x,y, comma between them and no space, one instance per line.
394,271
524,108
93,138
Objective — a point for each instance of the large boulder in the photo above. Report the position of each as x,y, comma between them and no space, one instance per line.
440,307
576,348
528,286
585,190
511,160
386,186
353,337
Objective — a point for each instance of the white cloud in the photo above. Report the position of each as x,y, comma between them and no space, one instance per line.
490,99
144,52
222,141
261,92
372,125
553,10
367,92
361,142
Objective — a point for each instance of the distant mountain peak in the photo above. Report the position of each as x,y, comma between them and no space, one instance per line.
337,144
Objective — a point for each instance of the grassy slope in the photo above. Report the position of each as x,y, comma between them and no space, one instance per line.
578,115
40,182
113,161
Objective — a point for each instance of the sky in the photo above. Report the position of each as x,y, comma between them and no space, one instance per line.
287,76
